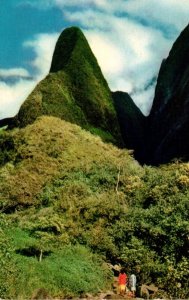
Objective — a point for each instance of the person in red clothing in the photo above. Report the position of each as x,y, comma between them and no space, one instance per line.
122,281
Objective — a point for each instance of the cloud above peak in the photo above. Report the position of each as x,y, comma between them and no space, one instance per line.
129,38
126,51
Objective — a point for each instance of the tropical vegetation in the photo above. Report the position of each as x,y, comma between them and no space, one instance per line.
71,203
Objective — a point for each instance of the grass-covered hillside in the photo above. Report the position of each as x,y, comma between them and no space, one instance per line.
70,202
75,90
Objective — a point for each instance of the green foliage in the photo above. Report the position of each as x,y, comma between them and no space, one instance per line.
71,271
63,186
7,263
177,278
7,148
104,135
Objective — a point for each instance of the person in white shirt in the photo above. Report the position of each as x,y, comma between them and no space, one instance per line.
132,284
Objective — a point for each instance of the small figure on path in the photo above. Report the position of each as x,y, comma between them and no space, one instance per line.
122,281
132,284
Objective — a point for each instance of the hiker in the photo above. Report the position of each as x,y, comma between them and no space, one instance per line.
132,284
122,281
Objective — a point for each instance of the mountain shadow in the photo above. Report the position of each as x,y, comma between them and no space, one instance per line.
169,117
132,124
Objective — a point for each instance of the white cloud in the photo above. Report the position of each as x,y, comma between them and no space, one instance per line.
76,3
105,50
129,61
12,96
168,12
20,72
144,96
43,47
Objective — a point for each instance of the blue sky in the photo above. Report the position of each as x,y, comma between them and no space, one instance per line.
20,21
129,38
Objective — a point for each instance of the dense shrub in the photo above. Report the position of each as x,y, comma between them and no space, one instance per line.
69,188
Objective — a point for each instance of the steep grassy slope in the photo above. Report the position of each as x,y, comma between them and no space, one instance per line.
50,146
75,90
62,186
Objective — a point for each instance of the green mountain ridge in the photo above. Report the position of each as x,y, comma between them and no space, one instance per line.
75,90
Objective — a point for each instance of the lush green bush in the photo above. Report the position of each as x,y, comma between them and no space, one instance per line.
7,263
27,265
70,271
64,186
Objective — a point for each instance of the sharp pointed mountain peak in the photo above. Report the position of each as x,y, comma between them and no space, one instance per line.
75,90
70,41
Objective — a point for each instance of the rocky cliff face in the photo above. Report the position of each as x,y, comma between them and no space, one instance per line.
75,90
169,116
